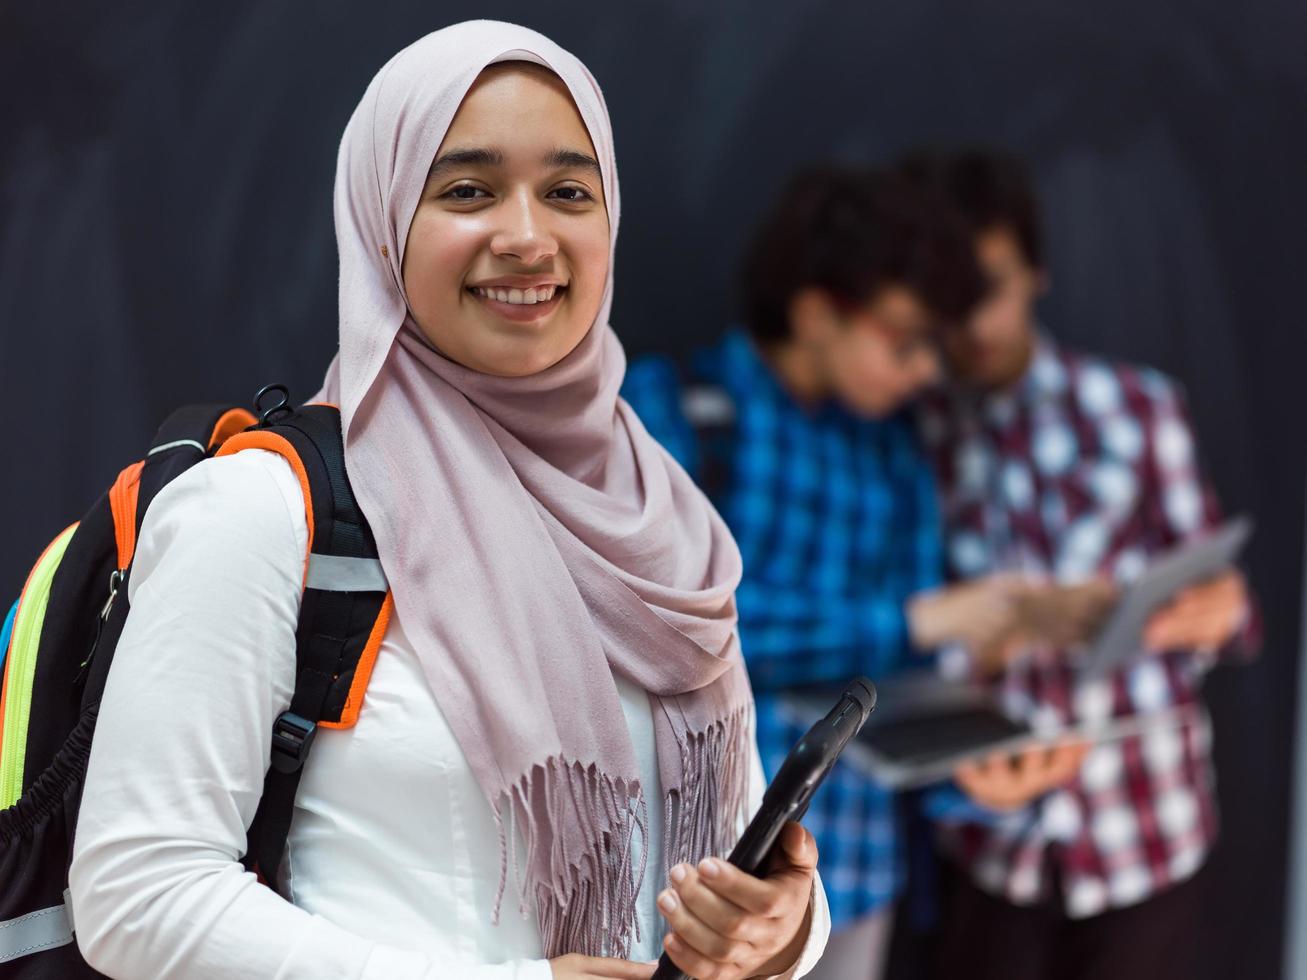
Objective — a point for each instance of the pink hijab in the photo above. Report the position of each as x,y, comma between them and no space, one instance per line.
538,542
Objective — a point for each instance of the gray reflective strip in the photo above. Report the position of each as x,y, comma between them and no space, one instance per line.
35,932
332,573
174,445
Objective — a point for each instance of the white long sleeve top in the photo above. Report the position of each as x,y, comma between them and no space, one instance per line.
393,857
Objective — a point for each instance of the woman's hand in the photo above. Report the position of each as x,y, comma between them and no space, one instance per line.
577,967
729,925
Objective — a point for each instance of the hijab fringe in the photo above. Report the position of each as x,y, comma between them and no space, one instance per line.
585,894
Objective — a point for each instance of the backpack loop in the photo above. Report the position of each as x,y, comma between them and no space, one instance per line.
281,410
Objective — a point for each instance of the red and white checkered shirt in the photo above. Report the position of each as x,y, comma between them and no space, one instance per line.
1084,468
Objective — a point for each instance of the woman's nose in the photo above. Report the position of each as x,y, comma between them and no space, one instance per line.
525,233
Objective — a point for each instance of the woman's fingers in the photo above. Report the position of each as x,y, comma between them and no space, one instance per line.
798,849
724,917
577,967
622,969
694,963
756,895
696,934
724,921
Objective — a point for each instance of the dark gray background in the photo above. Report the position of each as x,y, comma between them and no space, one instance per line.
166,235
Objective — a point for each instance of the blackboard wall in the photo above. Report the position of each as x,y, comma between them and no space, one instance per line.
166,235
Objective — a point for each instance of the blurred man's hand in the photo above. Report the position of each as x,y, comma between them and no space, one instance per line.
1202,617
1064,615
1009,782
997,618
973,614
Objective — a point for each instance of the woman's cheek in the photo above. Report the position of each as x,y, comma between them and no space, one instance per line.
591,270
437,255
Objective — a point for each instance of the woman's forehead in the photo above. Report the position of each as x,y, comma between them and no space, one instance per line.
520,106
516,116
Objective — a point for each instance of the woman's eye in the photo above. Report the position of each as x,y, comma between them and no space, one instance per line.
572,195
465,192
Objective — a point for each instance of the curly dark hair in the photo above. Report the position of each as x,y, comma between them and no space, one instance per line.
989,188
854,232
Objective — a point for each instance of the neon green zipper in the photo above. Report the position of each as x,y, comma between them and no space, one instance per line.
21,667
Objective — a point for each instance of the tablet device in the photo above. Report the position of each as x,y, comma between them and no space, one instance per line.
901,762
925,728
788,795
1121,638
923,725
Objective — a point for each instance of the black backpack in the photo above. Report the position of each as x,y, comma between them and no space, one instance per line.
58,644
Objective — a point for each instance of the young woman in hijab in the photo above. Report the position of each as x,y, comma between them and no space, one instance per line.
559,705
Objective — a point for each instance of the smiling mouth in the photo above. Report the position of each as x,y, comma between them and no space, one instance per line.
517,297
520,304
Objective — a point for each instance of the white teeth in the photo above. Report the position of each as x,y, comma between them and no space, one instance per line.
518,297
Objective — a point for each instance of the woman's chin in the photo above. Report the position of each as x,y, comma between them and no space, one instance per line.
517,360
511,353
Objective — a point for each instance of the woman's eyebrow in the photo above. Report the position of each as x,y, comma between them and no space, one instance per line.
471,157
562,159
487,157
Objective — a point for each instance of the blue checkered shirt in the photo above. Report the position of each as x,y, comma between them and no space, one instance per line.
836,519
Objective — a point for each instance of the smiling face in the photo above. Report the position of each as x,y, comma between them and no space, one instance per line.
507,254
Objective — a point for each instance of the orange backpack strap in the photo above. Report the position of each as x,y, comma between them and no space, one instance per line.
343,617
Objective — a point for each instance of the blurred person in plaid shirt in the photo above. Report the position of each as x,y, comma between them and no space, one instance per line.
794,426
1070,471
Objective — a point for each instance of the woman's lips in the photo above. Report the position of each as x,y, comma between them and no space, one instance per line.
520,312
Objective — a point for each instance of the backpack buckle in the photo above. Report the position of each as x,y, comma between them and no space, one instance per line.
292,736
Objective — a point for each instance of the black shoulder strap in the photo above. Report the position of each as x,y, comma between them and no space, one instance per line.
343,614
187,436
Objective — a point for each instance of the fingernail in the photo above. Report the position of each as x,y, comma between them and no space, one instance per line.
710,867
667,901
678,873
